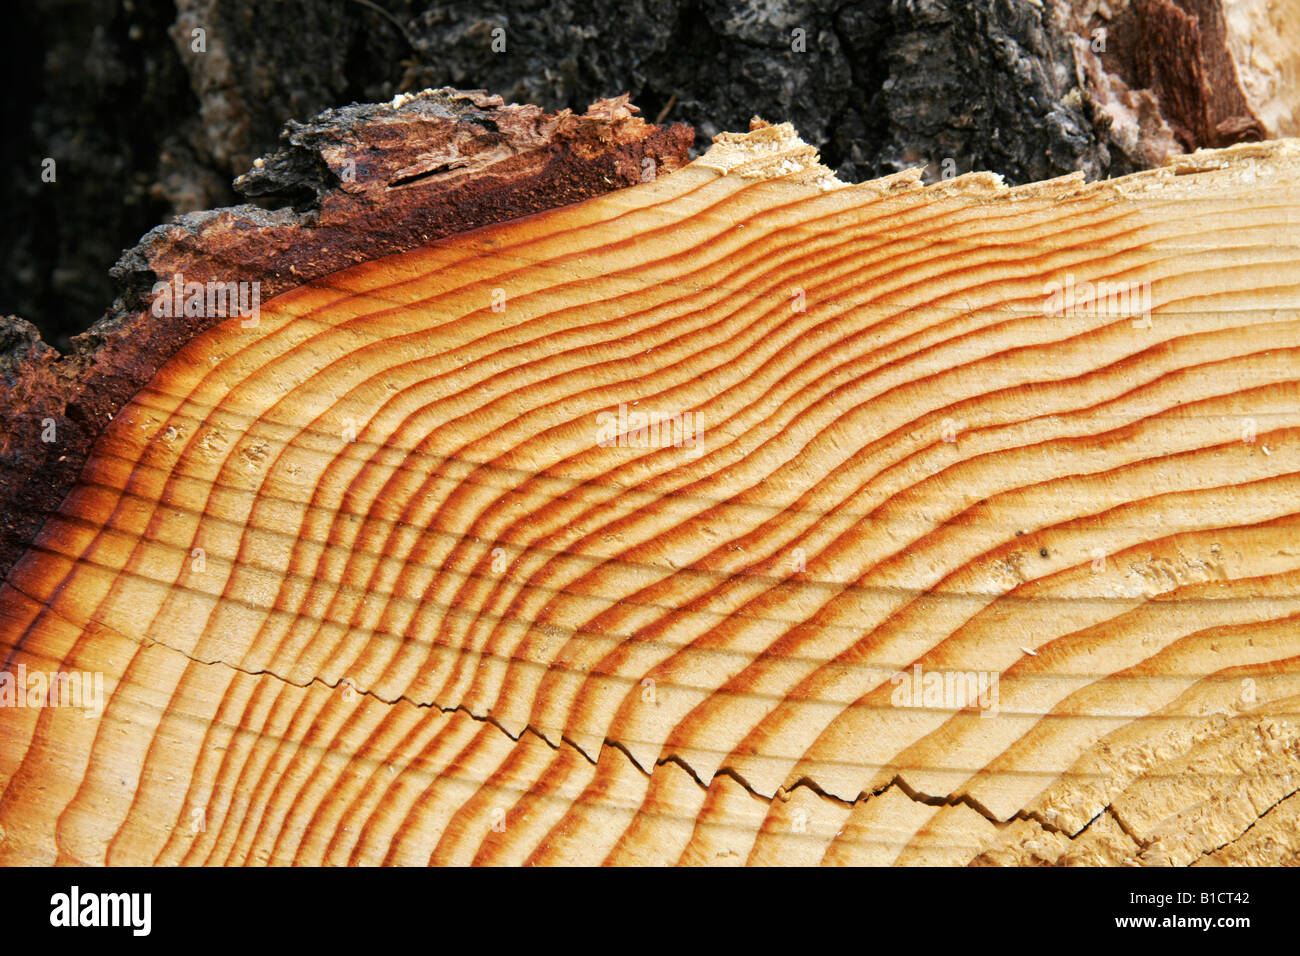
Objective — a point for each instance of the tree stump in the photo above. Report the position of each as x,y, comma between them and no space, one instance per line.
733,516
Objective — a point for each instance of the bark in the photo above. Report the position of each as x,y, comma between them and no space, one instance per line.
364,181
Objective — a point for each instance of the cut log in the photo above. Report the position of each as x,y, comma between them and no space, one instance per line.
737,516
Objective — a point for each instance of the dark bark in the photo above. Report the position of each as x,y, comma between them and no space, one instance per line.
143,125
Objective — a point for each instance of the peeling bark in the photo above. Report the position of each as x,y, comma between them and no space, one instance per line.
364,181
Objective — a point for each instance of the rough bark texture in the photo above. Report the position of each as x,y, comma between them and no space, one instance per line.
366,181
142,124
1186,60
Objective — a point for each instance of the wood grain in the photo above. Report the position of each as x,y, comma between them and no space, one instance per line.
366,584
